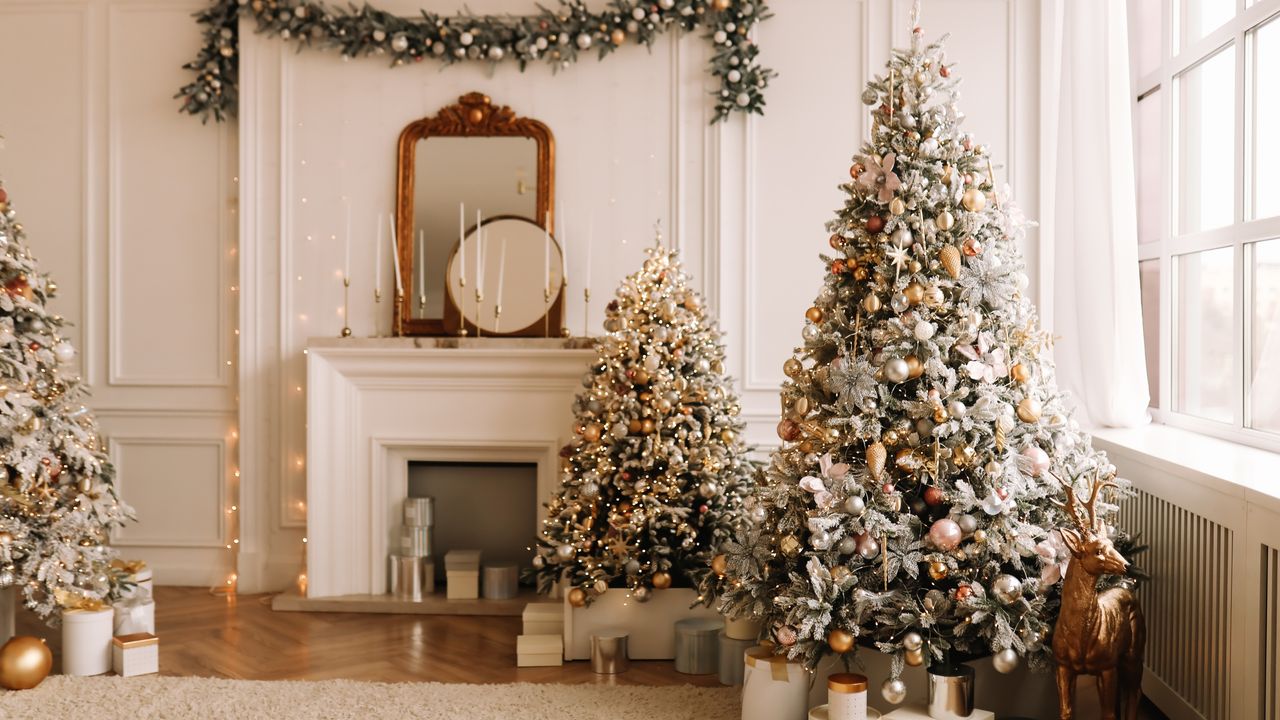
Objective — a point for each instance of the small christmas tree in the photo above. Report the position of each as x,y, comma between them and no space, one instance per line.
655,476
58,502
912,504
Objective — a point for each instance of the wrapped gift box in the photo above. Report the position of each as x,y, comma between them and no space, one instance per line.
543,619
134,616
920,712
137,573
651,624
86,641
462,574
539,650
136,654
774,688
742,628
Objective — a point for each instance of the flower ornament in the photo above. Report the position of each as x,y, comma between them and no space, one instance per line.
829,470
985,363
1055,557
878,176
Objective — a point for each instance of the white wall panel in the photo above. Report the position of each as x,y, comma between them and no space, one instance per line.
166,290
128,204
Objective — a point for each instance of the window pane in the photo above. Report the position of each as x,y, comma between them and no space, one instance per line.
1206,139
1266,118
1206,353
1146,25
1149,280
1151,175
1201,17
1264,387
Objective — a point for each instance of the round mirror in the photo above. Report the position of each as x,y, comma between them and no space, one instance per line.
514,262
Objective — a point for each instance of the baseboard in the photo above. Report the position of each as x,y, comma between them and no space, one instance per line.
262,573
1167,699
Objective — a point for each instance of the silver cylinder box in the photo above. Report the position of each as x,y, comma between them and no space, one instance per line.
609,652
731,658
698,645
499,582
410,577
419,511
951,693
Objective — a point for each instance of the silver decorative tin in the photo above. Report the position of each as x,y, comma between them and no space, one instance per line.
698,645
609,652
410,577
499,582
951,693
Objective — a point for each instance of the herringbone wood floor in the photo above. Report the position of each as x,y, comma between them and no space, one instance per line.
208,636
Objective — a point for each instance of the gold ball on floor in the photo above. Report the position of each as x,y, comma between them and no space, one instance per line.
577,597
25,661
720,565
661,580
841,641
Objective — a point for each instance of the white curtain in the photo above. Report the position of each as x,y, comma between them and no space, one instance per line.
1089,224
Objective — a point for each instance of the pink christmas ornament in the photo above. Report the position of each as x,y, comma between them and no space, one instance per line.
1038,460
945,534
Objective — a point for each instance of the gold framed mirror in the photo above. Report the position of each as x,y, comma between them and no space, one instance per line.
471,156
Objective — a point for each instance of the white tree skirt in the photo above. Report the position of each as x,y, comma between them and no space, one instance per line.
172,698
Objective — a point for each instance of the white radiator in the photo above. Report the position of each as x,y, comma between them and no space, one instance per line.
1213,603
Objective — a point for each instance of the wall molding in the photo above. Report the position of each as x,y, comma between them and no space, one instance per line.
118,441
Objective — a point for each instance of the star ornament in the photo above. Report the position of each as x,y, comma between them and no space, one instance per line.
899,256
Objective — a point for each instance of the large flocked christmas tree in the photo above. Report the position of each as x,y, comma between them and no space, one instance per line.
57,502
913,502
656,473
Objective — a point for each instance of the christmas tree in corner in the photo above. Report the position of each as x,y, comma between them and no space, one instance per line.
656,475
58,502
912,505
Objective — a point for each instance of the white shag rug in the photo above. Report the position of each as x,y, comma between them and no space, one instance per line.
175,698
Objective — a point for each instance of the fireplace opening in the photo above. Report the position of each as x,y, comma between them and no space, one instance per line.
489,507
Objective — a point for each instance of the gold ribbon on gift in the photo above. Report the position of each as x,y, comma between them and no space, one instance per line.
75,601
777,663
129,567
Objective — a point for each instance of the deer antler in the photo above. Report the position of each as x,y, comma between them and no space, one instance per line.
1071,506
1095,487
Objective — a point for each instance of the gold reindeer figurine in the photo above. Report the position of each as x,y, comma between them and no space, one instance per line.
1098,633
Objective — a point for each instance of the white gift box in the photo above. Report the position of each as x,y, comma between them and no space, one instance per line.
86,641
462,574
135,654
462,584
822,712
543,619
539,650
135,617
773,688
650,625
920,712
138,573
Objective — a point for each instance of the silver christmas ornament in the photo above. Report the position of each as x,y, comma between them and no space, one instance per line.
855,505
1005,661
894,690
848,546
820,540
642,594
1006,588
967,523
896,370
912,641
565,552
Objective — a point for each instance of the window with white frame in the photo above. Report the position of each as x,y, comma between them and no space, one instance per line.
1206,91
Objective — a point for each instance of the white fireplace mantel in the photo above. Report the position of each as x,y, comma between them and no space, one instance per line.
374,404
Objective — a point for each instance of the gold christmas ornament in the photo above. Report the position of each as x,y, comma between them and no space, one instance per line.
938,570
661,580
840,640
914,658
720,565
1020,372
871,303
973,200
979,535
814,315
836,241
647,426
949,256
945,221
789,545
897,207
1029,410
591,433
792,368
577,597
914,367
25,661
876,457
905,459
618,36
720,5
914,293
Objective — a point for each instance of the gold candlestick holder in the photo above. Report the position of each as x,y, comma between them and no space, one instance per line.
346,307
462,320
497,319
546,312
586,311
377,312
479,299
400,303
